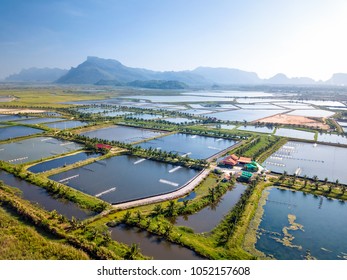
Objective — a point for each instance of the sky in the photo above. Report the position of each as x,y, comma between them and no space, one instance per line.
305,38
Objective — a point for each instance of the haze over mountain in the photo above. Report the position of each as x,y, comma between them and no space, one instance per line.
95,69
111,72
46,75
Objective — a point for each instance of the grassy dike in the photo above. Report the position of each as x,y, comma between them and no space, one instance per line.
156,219
53,227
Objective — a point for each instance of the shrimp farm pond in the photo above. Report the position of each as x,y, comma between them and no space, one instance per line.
311,160
35,149
295,225
126,178
194,146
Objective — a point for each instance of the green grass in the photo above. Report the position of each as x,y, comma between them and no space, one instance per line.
45,97
19,241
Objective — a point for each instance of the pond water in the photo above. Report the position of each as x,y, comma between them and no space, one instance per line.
179,98
244,115
60,162
310,159
230,93
342,123
35,148
6,118
9,132
179,120
66,124
146,116
196,111
152,245
120,133
262,129
294,105
194,146
116,113
260,106
126,178
323,221
294,133
312,113
6,98
39,120
40,196
332,138
190,196
209,217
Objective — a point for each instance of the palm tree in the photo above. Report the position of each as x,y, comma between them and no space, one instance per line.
126,216
315,180
157,210
132,252
211,192
305,181
170,210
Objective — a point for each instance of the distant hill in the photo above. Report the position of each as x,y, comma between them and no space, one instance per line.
158,84
111,72
95,69
339,79
281,79
228,76
45,75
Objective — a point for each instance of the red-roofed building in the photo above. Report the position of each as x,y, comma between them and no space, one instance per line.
103,146
230,160
245,160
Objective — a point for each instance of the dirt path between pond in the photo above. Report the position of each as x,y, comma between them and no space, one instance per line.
188,187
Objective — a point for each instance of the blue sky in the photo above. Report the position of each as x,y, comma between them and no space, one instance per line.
298,38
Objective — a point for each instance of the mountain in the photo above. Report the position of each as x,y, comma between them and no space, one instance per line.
281,79
95,69
37,75
228,76
111,72
158,84
338,79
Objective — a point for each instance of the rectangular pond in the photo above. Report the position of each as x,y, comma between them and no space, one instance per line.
194,146
35,148
260,106
6,118
63,161
179,98
310,159
126,178
261,129
244,115
296,225
40,196
312,113
10,132
66,124
39,120
229,93
121,133
179,120
332,138
209,217
152,245
145,116
294,133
